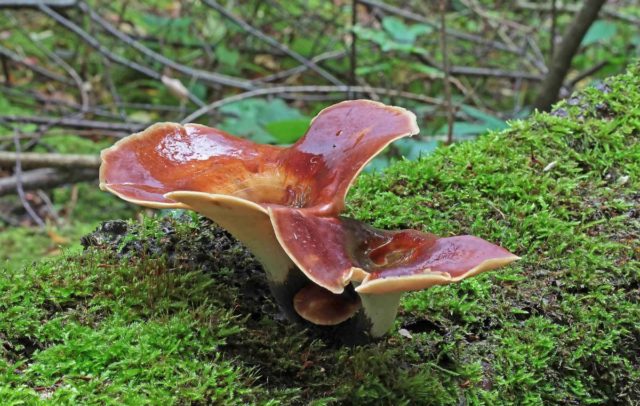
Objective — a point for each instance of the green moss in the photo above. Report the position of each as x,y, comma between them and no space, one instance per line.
179,314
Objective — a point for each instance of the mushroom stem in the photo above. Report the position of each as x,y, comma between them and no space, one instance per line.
381,311
250,224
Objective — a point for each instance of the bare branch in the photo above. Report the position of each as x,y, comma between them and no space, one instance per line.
491,72
35,68
299,69
456,34
45,178
445,63
19,187
75,123
211,77
273,42
38,160
307,89
561,62
36,3
91,41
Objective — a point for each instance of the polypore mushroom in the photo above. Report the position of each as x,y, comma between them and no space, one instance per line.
284,205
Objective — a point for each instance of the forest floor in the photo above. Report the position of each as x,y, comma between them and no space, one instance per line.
171,310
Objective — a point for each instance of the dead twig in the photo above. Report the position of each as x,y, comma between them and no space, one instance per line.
307,89
561,61
300,69
76,123
445,63
19,187
36,3
453,33
273,42
95,44
40,160
35,68
44,178
211,77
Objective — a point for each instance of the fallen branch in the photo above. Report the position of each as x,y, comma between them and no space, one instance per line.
92,42
453,33
36,3
44,178
274,43
35,68
308,89
561,62
211,77
574,8
38,160
75,123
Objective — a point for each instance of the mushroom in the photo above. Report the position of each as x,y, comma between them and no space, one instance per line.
284,204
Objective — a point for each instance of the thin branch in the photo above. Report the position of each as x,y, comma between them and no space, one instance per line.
91,41
607,11
492,72
445,63
561,63
44,178
453,33
307,89
588,72
20,94
210,77
40,160
35,68
82,90
273,42
299,69
75,123
354,37
36,3
19,185
49,205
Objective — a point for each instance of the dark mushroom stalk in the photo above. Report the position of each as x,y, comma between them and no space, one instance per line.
284,204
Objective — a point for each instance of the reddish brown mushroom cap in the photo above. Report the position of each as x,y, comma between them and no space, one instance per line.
283,204
341,140
333,251
169,157
315,172
324,308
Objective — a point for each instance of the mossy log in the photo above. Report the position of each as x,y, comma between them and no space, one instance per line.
172,309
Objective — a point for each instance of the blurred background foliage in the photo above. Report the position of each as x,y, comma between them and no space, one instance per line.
76,76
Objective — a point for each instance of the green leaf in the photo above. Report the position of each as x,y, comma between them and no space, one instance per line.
377,164
461,128
288,131
413,149
427,70
491,122
379,67
600,31
400,32
385,40
249,118
226,56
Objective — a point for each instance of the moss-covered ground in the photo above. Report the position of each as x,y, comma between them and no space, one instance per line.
171,310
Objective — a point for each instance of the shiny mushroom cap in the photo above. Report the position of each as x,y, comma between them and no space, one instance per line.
334,251
284,204
315,173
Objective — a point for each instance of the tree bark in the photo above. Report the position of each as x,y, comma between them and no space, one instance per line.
45,178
